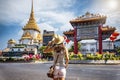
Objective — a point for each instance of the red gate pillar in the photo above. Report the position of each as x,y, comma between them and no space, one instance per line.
75,41
100,39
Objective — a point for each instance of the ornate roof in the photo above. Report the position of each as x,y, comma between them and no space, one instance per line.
70,32
27,35
11,41
89,17
39,37
31,25
108,29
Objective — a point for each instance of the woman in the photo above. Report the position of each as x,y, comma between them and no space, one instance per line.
60,51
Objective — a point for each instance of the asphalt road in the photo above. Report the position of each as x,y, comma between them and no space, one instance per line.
37,71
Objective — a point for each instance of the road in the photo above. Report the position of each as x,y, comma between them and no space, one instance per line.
37,71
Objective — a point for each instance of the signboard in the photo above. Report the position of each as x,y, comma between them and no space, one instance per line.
87,32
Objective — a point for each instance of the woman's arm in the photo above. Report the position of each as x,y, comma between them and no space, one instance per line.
49,47
67,57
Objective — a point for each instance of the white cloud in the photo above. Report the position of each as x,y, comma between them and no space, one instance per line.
18,10
66,27
49,11
20,32
53,4
58,17
111,10
44,26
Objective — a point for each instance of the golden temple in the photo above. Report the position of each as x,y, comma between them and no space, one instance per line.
31,29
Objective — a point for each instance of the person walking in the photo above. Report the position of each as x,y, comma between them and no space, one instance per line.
60,55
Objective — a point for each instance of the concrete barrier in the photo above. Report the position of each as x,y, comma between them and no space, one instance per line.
94,62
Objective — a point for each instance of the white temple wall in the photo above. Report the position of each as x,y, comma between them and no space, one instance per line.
33,33
10,45
26,41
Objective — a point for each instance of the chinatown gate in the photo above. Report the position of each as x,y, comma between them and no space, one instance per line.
89,26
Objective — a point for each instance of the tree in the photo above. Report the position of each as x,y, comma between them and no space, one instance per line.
71,49
41,49
117,50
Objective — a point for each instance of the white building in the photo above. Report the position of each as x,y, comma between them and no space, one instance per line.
92,46
88,46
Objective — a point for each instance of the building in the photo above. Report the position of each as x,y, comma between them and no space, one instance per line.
107,46
88,27
47,36
29,42
11,43
117,43
88,46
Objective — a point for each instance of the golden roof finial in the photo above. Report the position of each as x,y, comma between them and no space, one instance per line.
31,25
32,11
32,6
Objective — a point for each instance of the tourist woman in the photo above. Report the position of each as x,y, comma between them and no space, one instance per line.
60,55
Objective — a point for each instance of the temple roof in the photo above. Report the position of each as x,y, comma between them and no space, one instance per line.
31,25
27,35
108,29
70,32
11,41
89,17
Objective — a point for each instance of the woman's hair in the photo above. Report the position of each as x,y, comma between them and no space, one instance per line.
58,48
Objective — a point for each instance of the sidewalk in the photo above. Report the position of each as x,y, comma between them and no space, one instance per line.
94,62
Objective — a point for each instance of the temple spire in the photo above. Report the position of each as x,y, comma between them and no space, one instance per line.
31,25
32,12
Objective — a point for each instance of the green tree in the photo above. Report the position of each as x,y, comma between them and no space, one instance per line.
117,50
71,49
41,49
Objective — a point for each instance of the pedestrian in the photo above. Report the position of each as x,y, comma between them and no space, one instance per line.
58,48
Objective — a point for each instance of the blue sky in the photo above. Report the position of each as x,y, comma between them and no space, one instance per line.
51,15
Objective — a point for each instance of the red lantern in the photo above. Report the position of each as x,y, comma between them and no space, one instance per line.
67,40
112,38
115,34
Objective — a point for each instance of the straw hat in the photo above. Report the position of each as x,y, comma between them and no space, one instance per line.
57,39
